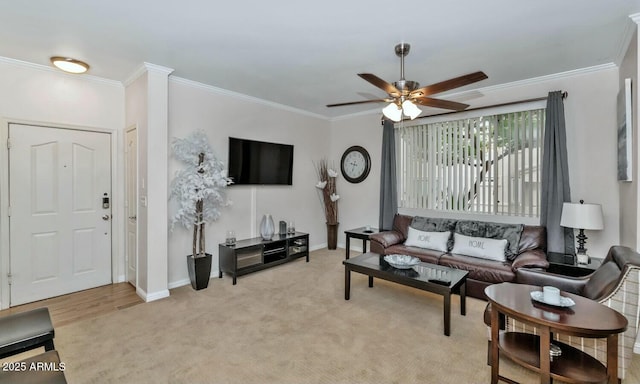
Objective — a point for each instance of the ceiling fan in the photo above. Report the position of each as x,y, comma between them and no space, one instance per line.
405,94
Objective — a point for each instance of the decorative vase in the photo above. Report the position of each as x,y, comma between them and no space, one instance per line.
332,235
267,227
199,271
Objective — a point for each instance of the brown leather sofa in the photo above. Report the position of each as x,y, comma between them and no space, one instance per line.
531,253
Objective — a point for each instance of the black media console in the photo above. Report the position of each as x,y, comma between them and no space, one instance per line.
251,255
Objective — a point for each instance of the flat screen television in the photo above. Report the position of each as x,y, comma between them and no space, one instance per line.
254,162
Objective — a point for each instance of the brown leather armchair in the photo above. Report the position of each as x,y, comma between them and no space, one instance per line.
595,286
615,283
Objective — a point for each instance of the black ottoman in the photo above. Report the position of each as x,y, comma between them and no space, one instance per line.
21,332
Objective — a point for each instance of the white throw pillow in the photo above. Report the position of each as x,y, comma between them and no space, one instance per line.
430,240
491,249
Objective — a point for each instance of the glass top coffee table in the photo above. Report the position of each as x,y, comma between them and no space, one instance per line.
427,277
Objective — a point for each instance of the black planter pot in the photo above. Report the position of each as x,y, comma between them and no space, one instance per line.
199,271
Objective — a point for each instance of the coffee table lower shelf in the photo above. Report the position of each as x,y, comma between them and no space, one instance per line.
573,366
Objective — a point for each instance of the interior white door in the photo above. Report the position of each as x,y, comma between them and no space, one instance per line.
132,204
60,224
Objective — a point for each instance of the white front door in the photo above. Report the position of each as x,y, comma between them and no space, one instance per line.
60,221
131,148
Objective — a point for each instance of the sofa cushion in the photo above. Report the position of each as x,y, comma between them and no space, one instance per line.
533,237
430,240
430,224
489,271
509,232
492,249
435,224
401,223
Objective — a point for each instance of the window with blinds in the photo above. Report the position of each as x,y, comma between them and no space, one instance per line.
485,164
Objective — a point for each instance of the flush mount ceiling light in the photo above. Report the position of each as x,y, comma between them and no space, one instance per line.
70,65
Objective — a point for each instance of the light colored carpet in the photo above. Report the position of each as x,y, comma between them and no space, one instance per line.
287,324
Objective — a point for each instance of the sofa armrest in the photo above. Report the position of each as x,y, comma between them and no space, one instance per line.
535,258
541,278
385,239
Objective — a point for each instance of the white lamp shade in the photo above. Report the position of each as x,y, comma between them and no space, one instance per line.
410,109
393,112
582,216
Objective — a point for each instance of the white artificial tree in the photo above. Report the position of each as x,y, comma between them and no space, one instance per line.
199,187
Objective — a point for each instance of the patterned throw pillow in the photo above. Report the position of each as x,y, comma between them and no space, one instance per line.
510,232
490,249
430,240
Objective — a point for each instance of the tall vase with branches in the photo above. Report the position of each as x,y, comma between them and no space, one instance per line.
199,189
326,187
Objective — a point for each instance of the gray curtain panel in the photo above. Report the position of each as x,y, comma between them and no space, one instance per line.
388,186
555,177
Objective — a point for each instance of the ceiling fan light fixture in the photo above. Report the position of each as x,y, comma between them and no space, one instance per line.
410,109
393,112
70,65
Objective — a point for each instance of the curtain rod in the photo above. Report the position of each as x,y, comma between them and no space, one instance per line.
565,94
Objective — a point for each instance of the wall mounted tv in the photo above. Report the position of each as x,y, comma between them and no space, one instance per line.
257,162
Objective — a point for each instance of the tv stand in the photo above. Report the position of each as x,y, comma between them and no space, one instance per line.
252,255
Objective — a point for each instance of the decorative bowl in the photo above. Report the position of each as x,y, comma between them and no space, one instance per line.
402,261
564,301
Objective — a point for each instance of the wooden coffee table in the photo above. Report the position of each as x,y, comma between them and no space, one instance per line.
374,265
587,318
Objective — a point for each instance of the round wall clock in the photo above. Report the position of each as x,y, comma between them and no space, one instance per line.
355,164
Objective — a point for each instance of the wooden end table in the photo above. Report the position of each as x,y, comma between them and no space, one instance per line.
567,265
587,318
358,233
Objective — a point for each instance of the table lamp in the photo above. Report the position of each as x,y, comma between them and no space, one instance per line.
582,216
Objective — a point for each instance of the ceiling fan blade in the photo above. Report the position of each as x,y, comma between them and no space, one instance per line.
449,84
358,102
378,82
439,103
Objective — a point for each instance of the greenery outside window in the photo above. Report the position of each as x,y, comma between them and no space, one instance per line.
483,164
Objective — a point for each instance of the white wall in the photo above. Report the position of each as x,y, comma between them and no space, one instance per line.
136,115
147,110
629,190
590,111
39,94
222,114
359,203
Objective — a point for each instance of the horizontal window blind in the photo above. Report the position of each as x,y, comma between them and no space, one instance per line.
484,164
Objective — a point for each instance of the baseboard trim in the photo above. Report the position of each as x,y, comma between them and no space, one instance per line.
179,283
149,297
316,247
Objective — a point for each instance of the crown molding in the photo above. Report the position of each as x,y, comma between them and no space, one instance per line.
542,79
357,114
142,69
48,69
146,68
630,27
241,96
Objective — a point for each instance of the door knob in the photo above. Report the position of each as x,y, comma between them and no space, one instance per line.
105,217
133,217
